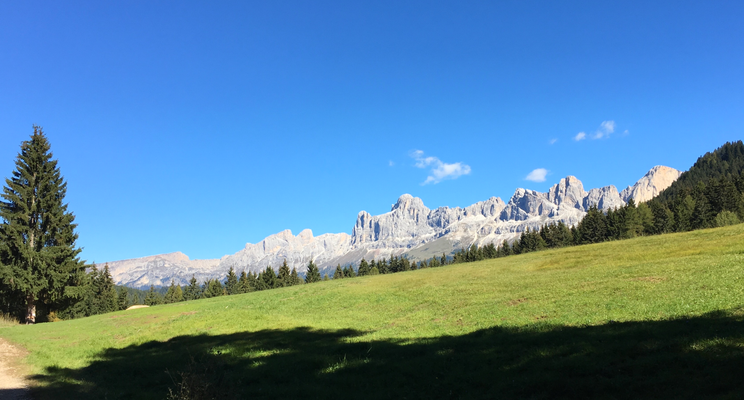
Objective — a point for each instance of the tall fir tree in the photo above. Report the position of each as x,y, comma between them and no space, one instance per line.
174,294
243,284
153,298
283,278
294,278
192,291
123,299
231,283
269,278
339,273
312,274
39,262
363,268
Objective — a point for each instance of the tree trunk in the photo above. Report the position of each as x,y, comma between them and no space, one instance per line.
30,309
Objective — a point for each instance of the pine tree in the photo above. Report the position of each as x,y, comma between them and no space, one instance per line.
174,294
153,298
312,274
283,279
363,268
231,283
213,288
193,291
39,261
106,291
244,285
294,278
123,299
325,277
269,278
339,274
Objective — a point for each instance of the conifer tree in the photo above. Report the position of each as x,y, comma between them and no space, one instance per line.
252,281
123,299
363,268
192,291
312,274
231,283
153,298
269,278
174,294
105,291
325,277
339,274
244,285
283,278
213,288
294,278
38,257
374,271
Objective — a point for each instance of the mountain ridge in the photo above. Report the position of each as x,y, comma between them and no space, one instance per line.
409,229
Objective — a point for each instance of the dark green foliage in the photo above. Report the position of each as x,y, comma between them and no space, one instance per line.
244,284
339,274
294,278
363,268
123,301
284,278
663,218
192,291
104,298
39,262
593,227
213,288
231,283
268,279
174,294
153,298
313,274
725,162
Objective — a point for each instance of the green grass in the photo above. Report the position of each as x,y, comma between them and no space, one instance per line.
651,317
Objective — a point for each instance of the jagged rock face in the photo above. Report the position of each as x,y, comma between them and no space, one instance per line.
409,228
568,192
160,270
297,250
656,180
605,198
526,204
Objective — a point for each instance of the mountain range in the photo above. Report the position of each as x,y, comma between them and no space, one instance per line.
409,229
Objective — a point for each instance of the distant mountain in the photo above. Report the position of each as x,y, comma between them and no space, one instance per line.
410,229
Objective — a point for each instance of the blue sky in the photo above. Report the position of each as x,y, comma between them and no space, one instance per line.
198,127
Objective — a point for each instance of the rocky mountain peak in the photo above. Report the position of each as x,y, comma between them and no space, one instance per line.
406,202
655,180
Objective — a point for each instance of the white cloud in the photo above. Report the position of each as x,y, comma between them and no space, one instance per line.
626,132
552,141
439,170
537,175
605,129
391,163
580,136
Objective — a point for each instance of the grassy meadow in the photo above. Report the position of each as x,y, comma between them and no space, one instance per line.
651,317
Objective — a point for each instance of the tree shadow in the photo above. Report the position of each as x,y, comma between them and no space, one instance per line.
701,357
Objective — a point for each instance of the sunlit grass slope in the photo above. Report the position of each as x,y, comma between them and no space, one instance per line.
647,317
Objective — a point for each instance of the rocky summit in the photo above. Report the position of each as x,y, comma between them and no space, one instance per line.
409,228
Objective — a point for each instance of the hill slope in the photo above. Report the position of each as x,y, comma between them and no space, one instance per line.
632,319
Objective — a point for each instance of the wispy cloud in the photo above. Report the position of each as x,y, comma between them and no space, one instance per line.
605,129
391,163
552,141
439,170
537,175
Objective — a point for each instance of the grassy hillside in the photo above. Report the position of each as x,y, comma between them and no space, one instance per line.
651,317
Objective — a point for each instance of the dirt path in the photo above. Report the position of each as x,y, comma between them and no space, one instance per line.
13,386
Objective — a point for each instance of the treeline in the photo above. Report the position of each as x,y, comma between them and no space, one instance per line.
713,197
268,279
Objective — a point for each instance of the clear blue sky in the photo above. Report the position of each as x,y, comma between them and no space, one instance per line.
198,127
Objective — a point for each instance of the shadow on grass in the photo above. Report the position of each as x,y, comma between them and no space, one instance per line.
701,357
